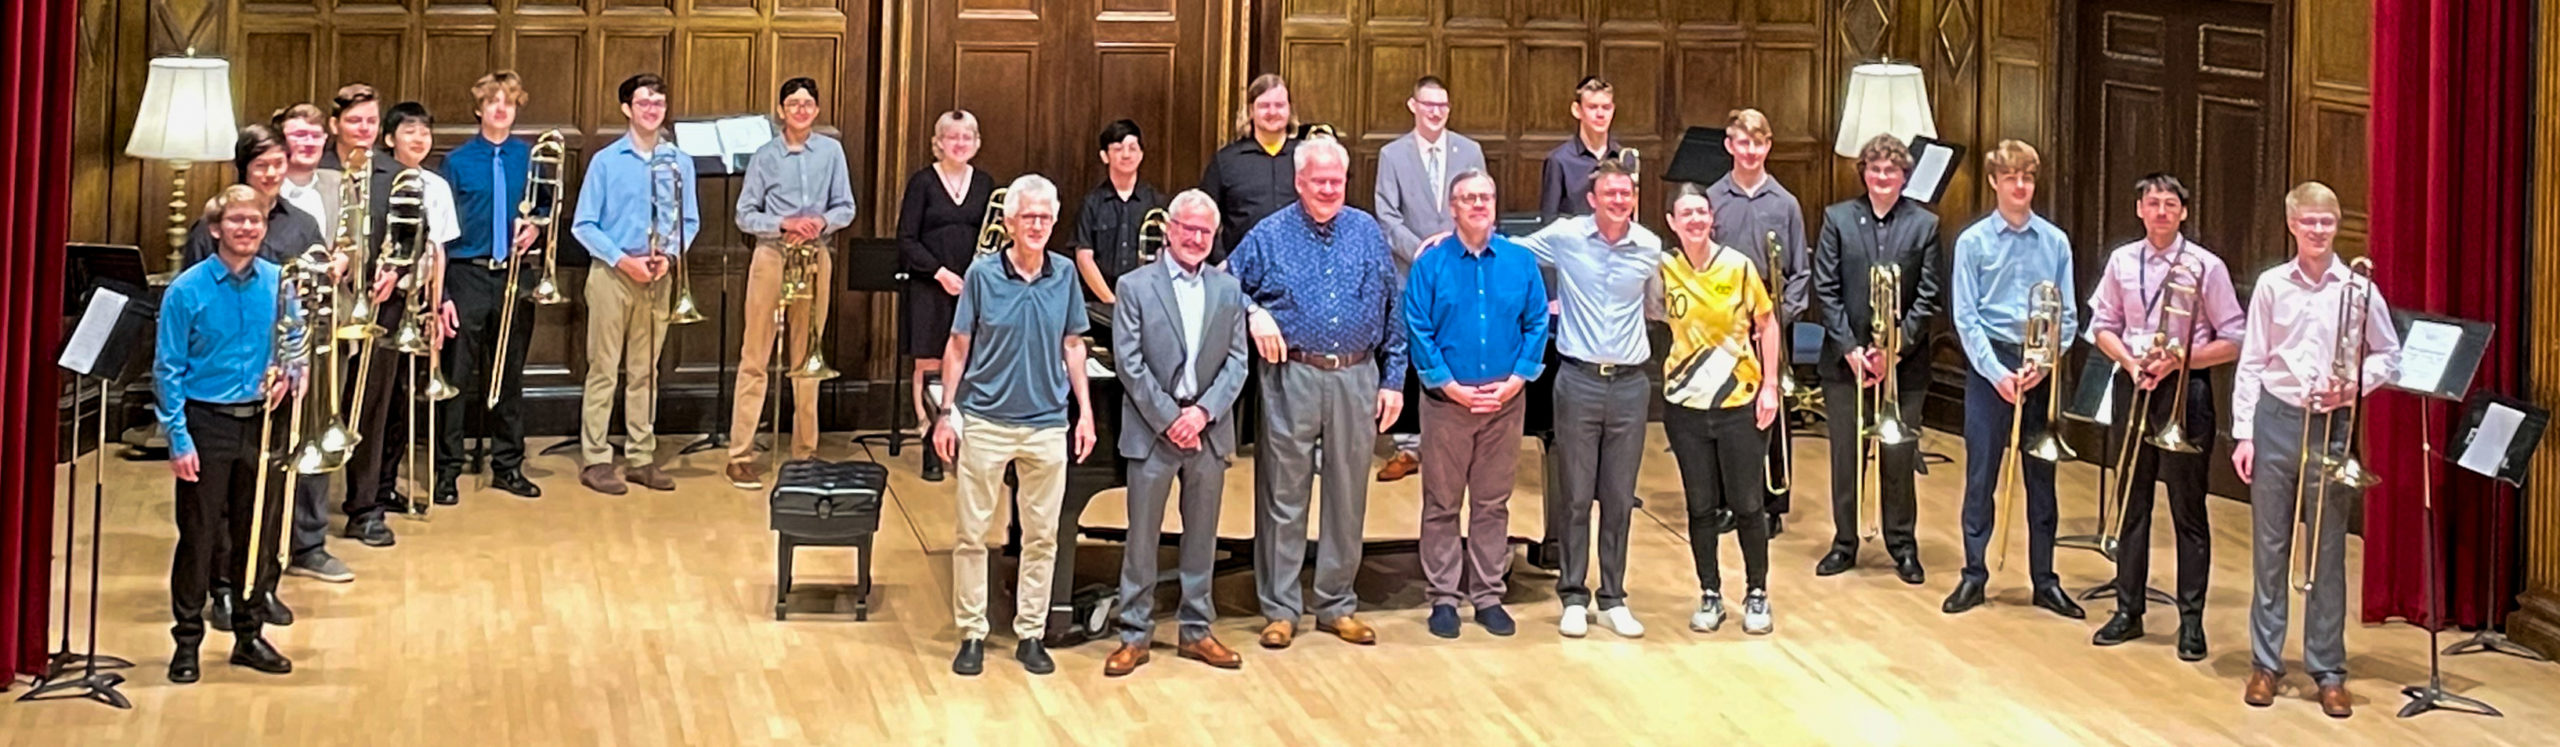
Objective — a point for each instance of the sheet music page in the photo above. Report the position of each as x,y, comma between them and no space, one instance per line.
2488,450
1928,174
743,135
699,139
80,354
2107,406
2425,354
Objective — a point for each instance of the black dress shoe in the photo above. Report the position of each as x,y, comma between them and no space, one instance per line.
182,665
1725,521
513,481
1034,657
2191,638
371,530
1968,595
254,653
395,503
2120,627
1545,556
218,613
1777,524
972,658
1836,562
1908,568
2055,599
447,494
272,611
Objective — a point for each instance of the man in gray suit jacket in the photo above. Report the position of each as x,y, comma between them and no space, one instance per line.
1178,333
1412,203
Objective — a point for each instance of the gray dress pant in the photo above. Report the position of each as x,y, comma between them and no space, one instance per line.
1306,409
2271,507
1204,480
1599,448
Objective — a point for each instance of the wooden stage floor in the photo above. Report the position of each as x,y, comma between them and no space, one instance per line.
647,620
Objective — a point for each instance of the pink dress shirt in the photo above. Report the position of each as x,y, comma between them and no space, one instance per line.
2132,290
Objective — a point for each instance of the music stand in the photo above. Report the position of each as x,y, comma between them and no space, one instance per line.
2438,356
871,266
2525,430
115,318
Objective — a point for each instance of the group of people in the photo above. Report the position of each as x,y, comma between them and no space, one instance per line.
1343,318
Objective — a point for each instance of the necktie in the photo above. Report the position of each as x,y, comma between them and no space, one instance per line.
500,239
1439,183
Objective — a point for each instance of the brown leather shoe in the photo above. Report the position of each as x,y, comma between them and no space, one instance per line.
1125,660
743,476
2335,702
1278,634
1209,651
1401,467
1350,629
2261,691
650,477
603,478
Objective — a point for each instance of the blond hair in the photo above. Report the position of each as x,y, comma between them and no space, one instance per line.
1749,122
237,195
2310,196
500,83
956,118
2011,156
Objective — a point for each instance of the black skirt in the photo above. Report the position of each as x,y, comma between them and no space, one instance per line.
928,318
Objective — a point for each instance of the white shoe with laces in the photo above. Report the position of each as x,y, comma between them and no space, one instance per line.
1755,613
1576,622
1623,622
1710,614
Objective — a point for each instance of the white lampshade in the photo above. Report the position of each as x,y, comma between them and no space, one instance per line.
186,112
1884,98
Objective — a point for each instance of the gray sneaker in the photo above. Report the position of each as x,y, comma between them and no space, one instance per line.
319,564
1710,614
1755,613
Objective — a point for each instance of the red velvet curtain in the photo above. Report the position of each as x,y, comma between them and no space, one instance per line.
2450,127
36,59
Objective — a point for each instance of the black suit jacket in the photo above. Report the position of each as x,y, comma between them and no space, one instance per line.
1853,240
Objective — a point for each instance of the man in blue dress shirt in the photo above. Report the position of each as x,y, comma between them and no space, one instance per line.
1323,318
488,177
217,321
627,231
1999,262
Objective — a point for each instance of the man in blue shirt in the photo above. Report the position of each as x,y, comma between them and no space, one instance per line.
488,177
1323,318
217,321
1476,312
2000,261
798,193
626,225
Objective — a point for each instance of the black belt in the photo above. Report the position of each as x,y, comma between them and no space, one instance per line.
1329,361
1605,370
235,411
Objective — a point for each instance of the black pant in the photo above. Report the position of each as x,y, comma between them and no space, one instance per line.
476,292
373,472
1895,470
217,507
1722,455
2186,475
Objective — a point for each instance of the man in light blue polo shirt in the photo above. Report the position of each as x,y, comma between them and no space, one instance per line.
623,226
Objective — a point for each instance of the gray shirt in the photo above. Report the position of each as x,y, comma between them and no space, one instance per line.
1605,287
1017,330
1744,221
785,183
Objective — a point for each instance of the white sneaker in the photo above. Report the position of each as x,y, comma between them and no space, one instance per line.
1755,613
1576,622
1710,614
1623,621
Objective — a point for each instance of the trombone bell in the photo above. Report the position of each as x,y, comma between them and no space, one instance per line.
437,389
547,293
2172,436
411,338
814,367
686,311
2350,472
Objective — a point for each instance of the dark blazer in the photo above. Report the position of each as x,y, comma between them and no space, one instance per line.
1850,244
1147,344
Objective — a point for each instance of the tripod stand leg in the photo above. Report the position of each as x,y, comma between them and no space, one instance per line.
100,687
2494,642
2433,697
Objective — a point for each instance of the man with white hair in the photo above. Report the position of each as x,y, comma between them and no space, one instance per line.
1178,333
1323,291
1016,350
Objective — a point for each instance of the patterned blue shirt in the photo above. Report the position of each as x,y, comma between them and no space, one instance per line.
216,334
488,183
614,202
1476,317
1996,268
1330,294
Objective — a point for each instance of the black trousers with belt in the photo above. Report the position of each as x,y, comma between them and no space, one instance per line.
478,292
2186,475
1896,467
373,471
214,513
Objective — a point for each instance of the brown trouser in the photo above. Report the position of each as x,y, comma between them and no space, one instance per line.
626,327
755,354
1467,459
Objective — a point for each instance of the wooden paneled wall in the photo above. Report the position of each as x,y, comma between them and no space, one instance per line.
2536,621
2333,106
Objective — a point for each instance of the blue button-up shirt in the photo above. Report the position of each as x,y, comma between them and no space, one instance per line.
488,183
216,329
614,202
1335,296
785,183
1475,317
1997,266
1605,287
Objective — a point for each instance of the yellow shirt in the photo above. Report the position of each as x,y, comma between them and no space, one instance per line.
1712,309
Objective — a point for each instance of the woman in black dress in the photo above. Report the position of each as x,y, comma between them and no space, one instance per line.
937,238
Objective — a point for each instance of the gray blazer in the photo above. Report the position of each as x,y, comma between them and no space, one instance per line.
1404,202
1146,342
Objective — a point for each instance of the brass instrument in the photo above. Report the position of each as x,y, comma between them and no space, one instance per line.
1153,235
2346,364
1880,424
323,452
408,215
1316,129
543,169
2039,350
2177,310
299,283
355,228
1778,466
993,236
800,282
666,221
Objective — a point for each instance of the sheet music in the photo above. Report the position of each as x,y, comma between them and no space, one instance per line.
1928,174
2107,407
741,136
80,354
699,139
1093,369
2488,450
2425,354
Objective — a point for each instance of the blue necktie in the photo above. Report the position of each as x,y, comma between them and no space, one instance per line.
500,238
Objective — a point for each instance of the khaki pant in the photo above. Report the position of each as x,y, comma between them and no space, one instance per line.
764,289
626,327
1039,457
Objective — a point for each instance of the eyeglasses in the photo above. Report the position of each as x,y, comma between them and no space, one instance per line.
1189,229
649,106
1434,106
1472,199
1036,218
798,105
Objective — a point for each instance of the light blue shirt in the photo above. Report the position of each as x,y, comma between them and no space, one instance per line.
785,183
1997,266
215,339
615,198
1603,286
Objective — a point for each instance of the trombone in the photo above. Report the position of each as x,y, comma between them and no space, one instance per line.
666,234
2346,365
543,169
1778,466
302,290
408,214
1880,425
800,282
1153,236
993,237
2040,350
2177,310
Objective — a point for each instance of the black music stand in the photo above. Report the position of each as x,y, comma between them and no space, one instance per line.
2093,402
115,321
2438,357
2519,449
871,266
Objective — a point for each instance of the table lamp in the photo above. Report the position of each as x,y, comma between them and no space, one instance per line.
1884,98
185,117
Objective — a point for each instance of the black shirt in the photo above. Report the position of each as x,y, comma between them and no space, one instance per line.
1248,183
1109,226
1564,189
289,233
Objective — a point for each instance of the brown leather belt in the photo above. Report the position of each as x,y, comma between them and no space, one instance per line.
1329,361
